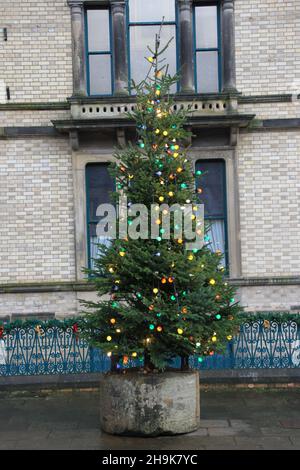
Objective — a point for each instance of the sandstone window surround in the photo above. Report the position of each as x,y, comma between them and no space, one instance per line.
228,155
80,161
120,50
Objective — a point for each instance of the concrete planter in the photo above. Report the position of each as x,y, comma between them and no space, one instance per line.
140,404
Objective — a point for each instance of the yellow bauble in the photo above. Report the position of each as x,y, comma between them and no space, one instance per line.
214,339
229,337
161,198
112,321
157,131
190,257
179,331
108,338
151,59
180,241
155,290
170,193
212,282
165,133
122,253
109,354
134,354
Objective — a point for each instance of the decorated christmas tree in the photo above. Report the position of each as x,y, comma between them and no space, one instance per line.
159,297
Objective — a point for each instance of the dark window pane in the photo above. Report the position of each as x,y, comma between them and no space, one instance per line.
100,74
143,36
207,72
99,185
98,30
212,184
206,27
149,11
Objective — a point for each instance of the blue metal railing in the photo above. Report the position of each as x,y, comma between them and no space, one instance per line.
55,350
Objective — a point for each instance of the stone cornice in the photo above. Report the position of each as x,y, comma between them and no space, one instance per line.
225,120
274,124
284,98
266,281
86,286
59,105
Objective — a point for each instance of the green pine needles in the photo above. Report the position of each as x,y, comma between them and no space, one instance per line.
158,300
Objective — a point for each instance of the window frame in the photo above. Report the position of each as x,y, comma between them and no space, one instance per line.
152,23
209,49
88,53
225,206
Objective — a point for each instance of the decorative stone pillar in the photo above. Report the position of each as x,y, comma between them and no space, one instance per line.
78,59
187,79
228,40
119,47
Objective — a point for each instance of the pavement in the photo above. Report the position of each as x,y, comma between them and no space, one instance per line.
231,418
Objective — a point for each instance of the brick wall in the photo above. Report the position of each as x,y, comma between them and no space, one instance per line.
269,180
36,60
61,303
32,118
36,210
267,46
272,110
36,188
269,298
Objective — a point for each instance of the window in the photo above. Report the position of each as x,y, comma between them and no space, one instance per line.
207,48
98,51
99,184
144,21
213,196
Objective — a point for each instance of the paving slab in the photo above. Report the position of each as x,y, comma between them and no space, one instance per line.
230,419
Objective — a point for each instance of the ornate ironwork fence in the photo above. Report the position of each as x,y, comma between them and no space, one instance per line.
55,350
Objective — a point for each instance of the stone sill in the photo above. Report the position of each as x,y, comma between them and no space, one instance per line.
131,98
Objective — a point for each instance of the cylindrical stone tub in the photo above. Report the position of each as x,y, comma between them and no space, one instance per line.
151,404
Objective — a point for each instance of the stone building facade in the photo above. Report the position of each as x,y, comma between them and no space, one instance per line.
52,125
